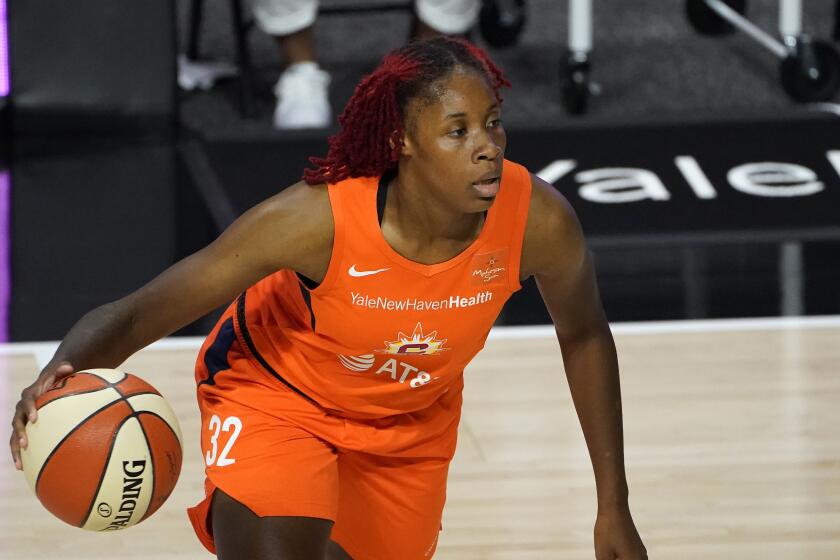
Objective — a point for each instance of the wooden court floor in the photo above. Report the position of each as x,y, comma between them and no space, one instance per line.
732,436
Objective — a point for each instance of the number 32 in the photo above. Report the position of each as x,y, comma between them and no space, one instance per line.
217,425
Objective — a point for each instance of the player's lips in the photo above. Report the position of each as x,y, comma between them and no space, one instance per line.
488,185
495,174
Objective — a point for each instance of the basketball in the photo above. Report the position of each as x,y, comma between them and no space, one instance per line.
105,451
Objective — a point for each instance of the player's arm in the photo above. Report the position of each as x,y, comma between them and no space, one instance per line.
292,230
554,252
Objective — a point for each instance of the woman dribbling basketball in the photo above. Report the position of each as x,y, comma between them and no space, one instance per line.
330,389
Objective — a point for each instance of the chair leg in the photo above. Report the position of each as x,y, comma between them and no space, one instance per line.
243,60
196,15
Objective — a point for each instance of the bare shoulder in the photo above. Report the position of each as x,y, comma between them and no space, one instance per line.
307,206
553,236
293,229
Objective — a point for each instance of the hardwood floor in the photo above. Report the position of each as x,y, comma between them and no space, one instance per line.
731,434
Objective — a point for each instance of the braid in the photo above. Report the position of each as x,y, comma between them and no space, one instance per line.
371,115
371,126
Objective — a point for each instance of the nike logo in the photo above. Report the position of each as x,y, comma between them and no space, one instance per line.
359,273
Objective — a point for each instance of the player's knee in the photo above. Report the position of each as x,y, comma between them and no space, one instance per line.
240,533
335,552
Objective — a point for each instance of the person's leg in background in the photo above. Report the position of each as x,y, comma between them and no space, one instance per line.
302,90
444,17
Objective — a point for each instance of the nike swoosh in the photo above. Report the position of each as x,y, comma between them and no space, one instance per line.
359,273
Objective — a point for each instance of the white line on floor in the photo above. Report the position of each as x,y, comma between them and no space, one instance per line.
43,351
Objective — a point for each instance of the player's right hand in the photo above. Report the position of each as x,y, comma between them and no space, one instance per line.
25,408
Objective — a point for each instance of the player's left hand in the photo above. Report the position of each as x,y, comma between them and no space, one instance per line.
616,537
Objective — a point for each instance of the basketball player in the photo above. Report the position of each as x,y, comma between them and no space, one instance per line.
330,390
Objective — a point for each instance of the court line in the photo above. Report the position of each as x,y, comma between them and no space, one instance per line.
683,326
43,351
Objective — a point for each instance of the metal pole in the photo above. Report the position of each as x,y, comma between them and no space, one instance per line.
243,60
790,18
791,279
696,304
196,14
580,26
748,27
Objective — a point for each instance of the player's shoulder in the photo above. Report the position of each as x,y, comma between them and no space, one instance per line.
301,206
544,198
550,213
301,194
298,218
552,223
297,226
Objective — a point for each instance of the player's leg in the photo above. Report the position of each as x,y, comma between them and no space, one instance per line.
335,552
271,486
240,533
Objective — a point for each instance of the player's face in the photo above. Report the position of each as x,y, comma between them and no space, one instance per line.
456,145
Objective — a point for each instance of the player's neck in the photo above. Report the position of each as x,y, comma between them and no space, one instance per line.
428,219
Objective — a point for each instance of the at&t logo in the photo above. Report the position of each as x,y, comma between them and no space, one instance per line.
418,344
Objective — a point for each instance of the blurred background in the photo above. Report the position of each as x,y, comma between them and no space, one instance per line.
703,160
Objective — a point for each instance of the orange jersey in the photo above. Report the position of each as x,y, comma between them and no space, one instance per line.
383,335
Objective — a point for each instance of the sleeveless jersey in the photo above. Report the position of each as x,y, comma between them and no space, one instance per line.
384,335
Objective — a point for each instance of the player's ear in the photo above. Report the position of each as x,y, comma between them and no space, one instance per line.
408,135
406,144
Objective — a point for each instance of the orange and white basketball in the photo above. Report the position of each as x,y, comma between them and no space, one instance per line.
105,451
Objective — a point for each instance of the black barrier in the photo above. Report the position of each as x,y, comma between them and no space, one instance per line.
89,223
696,182
95,65
724,182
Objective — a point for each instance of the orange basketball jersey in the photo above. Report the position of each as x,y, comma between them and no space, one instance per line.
383,335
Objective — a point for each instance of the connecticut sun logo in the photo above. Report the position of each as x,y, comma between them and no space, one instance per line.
416,344
488,268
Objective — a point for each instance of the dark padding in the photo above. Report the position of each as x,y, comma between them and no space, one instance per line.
93,65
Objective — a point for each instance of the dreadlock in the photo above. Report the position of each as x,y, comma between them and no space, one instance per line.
372,124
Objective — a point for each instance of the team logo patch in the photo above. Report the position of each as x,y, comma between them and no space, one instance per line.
417,343
489,268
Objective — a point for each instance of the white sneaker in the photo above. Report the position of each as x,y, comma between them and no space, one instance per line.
200,74
302,100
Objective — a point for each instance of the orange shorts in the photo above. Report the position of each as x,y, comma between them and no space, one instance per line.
382,482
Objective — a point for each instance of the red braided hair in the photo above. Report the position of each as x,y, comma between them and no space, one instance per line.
372,124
